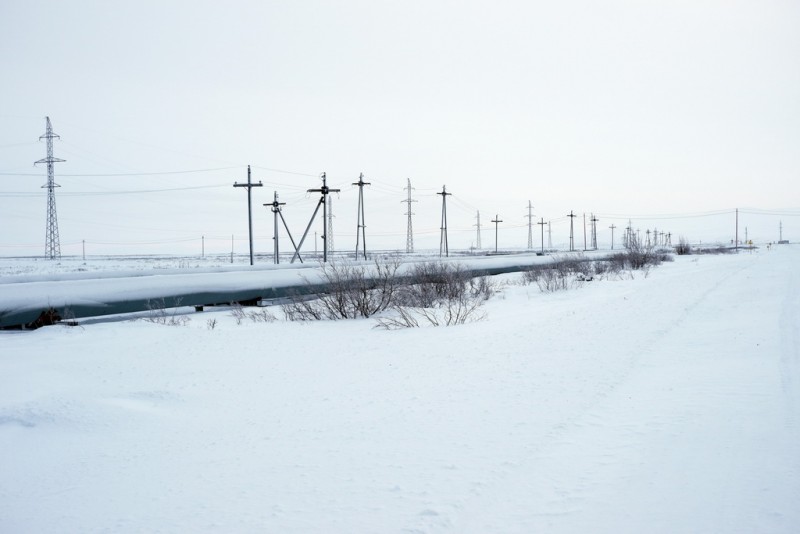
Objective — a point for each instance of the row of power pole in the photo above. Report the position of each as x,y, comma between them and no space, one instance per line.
655,238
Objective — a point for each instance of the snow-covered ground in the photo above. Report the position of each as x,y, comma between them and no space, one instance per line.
667,403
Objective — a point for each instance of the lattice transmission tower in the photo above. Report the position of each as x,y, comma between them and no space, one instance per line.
329,231
530,225
410,230
52,246
478,236
443,246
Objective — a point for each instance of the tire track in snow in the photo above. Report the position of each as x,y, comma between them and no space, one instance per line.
475,513
790,348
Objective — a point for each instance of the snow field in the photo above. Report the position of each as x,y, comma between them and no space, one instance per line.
663,403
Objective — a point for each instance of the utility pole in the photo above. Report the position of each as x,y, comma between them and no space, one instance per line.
52,245
478,224
276,208
542,223
549,236
249,185
530,225
325,191
360,225
278,212
571,231
612,236
409,230
496,222
594,231
626,240
443,233
584,231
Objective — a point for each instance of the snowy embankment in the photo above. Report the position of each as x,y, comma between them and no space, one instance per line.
89,294
668,403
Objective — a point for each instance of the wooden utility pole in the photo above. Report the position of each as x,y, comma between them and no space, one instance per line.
249,185
571,231
612,236
325,191
584,231
496,222
542,223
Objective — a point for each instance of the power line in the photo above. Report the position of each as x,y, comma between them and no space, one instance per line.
20,194
111,175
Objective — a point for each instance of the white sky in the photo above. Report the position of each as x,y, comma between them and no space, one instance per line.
616,108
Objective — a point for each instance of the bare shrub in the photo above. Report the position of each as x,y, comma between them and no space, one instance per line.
564,273
157,313
572,264
555,279
400,317
68,318
262,316
352,291
719,249
237,312
460,310
256,316
439,294
639,255
433,283
531,275
303,308
683,248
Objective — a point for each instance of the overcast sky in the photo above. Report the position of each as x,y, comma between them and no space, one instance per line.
670,113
